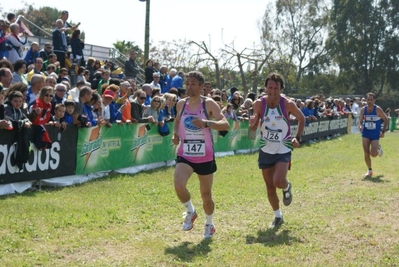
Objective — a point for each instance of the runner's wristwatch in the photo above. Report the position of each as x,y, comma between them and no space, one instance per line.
207,124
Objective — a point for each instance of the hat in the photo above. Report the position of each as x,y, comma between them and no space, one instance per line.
233,89
109,93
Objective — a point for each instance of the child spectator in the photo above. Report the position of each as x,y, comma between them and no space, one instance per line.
69,108
19,122
13,110
57,119
229,112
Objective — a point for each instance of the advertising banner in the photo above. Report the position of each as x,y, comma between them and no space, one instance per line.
90,150
121,146
57,161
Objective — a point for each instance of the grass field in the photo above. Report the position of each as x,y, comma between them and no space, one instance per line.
337,217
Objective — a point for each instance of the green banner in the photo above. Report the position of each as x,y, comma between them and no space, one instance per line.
121,146
236,138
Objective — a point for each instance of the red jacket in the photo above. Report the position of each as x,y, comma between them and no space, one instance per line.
41,119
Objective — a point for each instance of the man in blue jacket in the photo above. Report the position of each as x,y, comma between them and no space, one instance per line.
59,42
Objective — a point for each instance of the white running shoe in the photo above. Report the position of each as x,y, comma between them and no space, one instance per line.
189,218
209,230
369,173
380,151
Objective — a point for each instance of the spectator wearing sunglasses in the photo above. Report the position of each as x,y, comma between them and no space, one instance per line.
59,96
46,51
138,107
40,111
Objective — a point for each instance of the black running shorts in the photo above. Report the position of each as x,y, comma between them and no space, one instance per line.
266,160
204,168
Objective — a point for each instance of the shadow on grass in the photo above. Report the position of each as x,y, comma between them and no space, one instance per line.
375,179
187,251
271,237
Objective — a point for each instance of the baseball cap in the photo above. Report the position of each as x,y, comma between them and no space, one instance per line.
109,93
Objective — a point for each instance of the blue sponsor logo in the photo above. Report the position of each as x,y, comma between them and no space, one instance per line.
189,125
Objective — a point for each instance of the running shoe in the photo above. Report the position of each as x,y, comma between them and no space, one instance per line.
277,222
369,173
209,230
380,151
189,218
287,196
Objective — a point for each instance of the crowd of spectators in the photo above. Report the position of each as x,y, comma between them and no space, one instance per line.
37,90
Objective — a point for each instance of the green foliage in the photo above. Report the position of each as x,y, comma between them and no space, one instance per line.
299,38
337,217
126,46
45,17
364,43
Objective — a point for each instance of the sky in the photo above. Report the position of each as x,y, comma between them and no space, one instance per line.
216,22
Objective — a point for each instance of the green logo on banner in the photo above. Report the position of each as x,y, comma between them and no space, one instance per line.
139,142
92,146
233,134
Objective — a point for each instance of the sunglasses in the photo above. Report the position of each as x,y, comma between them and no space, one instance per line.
61,90
49,95
156,101
143,98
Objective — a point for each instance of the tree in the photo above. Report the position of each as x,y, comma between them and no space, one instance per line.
364,43
295,30
124,47
122,50
254,60
207,54
176,54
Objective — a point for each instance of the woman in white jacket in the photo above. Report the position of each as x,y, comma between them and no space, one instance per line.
17,51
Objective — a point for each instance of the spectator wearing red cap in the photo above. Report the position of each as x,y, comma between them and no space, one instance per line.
107,98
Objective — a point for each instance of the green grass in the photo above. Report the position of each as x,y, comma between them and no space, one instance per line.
337,217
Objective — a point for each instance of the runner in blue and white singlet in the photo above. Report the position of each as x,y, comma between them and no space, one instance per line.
372,129
371,124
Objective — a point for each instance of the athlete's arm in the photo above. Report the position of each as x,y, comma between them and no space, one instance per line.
175,137
384,117
220,123
361,119
253,123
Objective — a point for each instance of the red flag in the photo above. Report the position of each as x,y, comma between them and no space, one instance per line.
24,28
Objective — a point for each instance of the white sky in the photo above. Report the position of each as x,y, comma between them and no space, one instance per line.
197,20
